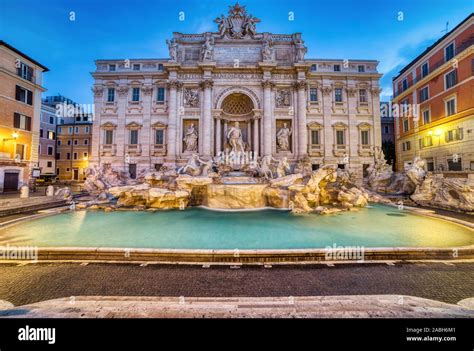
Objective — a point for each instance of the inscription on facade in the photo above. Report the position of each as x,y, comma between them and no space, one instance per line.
241,53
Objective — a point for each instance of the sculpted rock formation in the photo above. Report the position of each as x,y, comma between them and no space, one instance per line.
449,193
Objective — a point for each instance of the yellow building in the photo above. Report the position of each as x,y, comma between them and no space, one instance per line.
20,106
73,148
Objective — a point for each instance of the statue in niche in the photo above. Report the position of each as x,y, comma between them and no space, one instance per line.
234,137
267,51
207,50
191,98
191,138
173,49
283,138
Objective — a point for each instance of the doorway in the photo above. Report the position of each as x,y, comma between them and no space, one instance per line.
10,182
75,174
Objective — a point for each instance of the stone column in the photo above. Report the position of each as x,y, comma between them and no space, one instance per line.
120,137
300,87
255,135
206,85
267,118
96,139
173,85
218,135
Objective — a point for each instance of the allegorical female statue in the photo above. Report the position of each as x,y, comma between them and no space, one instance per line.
283,138
234,136
191,138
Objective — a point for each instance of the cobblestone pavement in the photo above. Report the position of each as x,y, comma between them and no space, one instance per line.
42,281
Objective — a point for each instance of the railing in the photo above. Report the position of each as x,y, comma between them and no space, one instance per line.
432,67
159,149
109,149
133,149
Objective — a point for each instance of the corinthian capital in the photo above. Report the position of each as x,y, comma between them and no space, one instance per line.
207,83
122,90
326,90
267,83
301,84
147,90
174,84
375,91
98,91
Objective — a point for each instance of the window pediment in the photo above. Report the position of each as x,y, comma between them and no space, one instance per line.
109,125
315,125
158,125
340,125
134,125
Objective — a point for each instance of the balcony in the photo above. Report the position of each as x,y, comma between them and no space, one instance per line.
340,149
365,150
315,150
108,149
133,149
435,66
159,149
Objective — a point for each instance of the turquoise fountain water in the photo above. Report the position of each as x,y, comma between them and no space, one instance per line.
378,226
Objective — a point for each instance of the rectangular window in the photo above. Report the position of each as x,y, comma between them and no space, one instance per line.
25,71
361,68
68,156
110,95
425,69
41,133
424,94
136,94
69,142
86,155
49,164
86,141
315,137
69,130
362,95
338,94
406,125
450,79
160,94
75,142
364,137
450,107
314,68
51,135
404,84
426,117
430,166
109,137
51,120
50,150
20,151
455,164
24,95
313,94
132,170
21,121
340,137
76,130
86,130
136,66
386,129
134,137
59,142
337,68
111,68
75,155
159,137
449,52
160,67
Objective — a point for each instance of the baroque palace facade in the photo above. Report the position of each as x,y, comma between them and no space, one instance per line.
235,90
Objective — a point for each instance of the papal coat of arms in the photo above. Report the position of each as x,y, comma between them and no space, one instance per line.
238,24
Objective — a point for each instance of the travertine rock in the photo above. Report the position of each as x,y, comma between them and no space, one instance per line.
144,195
235,196
287,181
277,197
449,193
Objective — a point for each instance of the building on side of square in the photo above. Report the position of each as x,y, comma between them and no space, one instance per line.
47,142
154,111
440,84
21,86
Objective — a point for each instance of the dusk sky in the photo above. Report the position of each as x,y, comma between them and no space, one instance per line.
138,29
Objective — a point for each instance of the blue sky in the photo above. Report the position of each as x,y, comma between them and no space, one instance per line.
122,29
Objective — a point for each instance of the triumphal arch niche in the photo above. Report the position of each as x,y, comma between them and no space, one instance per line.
249,84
